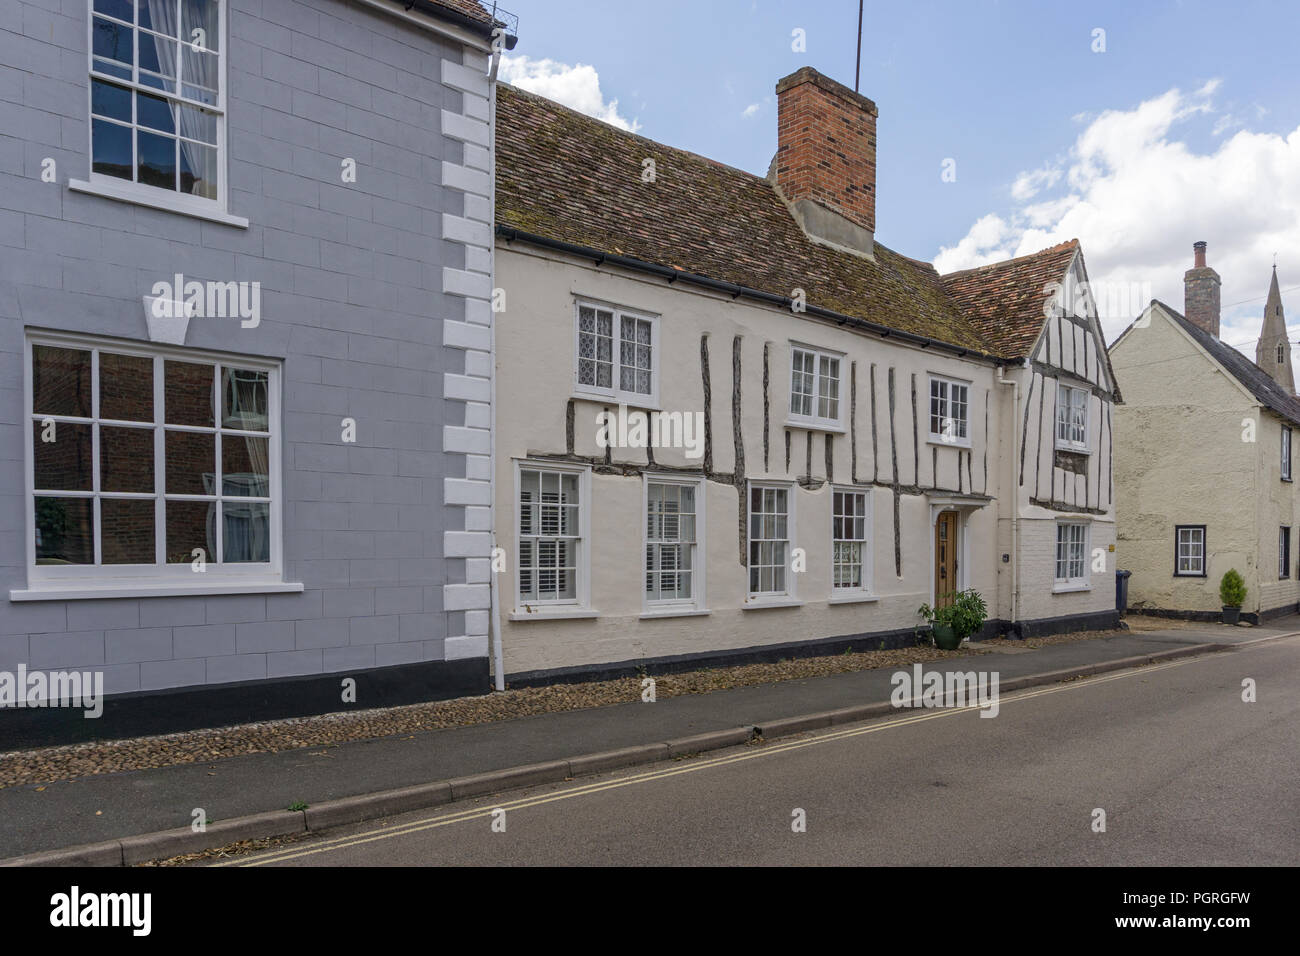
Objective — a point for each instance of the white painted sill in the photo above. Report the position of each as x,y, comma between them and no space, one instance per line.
813,426
1070,588
633,403
557,614
1073,448
675,612
964,444
765,605
132,590
130,192
852,599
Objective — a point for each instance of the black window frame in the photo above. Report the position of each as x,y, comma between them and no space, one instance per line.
1205,551
1284,552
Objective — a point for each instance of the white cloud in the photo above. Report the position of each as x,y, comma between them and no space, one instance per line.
1137,197
577,87
1224,123
985,242
1030,184
751,110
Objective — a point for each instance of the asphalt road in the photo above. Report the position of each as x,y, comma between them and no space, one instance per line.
1186,772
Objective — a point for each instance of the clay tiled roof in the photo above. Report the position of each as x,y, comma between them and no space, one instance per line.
1005,300
469,8
481,18
567,177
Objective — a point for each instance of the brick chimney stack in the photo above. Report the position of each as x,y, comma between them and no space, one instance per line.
825,164
1201,293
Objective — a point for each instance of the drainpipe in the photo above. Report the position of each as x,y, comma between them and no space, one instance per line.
498,662
1015,494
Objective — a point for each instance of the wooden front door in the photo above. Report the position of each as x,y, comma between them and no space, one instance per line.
945,558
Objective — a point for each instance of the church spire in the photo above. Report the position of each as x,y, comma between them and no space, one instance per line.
1273,353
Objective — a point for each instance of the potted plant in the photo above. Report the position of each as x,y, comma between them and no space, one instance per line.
1232,592
953,623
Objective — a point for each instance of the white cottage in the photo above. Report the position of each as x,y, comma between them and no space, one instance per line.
843,434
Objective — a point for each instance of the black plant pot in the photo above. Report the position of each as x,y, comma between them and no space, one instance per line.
1231,615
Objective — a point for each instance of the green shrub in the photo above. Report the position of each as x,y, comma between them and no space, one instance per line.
1232,589
965,615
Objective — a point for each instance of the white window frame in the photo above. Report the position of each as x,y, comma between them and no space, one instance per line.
788,596
1286,453
68,582
1193,554
946,400
865,589
1082,582
824,423
615,392
111,187
580,605
1065,395
696,602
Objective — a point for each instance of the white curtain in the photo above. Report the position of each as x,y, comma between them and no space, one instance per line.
201,70
246,525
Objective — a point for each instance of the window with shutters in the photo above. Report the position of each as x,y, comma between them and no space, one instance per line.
552,521
673,531
769,542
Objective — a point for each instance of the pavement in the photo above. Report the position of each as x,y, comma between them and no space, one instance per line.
109,808
1185,772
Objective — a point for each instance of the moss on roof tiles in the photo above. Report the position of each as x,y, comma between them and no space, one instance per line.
574,179
1005,300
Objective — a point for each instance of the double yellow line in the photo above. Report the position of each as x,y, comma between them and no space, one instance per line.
447,819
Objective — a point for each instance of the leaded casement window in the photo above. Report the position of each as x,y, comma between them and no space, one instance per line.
1189,554
815,386
850,555
157,97
617,354
769,541
148,463
552,544
673,527
1071,554
1071,418
949,411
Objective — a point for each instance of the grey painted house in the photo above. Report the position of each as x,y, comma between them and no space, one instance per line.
245,349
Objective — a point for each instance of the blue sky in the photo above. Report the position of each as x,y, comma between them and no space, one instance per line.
1177,132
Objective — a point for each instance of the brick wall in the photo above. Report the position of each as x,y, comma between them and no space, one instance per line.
826,148
1201,291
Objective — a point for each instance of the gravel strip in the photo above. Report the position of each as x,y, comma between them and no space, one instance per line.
68,762
1149,622
1036,642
